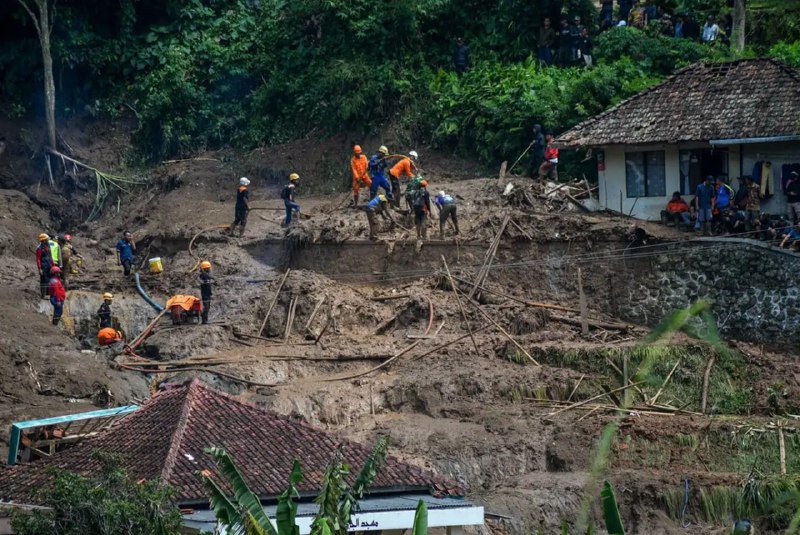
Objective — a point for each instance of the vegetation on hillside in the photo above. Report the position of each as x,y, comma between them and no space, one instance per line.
203,73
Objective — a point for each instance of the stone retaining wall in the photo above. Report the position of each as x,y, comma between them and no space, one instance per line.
754,288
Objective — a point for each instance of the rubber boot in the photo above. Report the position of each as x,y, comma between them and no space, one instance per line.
355,200
55,321
241,231
441,231
706,227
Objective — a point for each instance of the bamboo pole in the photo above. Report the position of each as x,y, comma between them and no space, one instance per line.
274,300
460,306
604,394
706,377
669,376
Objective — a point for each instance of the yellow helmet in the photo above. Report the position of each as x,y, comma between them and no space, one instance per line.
43,237
382,198
205,264
108,295
294,177
383,150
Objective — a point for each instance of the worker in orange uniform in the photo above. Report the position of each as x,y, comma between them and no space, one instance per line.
108,336
359,168
405,167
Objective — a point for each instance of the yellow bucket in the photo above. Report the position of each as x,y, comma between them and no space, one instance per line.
155,265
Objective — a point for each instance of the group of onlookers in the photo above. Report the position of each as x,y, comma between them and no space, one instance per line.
718,209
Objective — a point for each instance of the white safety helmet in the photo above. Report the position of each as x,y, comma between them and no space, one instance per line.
440,194
413,154
244,181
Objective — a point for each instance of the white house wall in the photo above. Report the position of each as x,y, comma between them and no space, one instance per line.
741,159
612,182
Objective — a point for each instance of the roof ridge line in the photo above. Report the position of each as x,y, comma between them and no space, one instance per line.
177,435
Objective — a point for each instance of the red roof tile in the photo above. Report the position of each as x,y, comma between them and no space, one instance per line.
166,437
749,98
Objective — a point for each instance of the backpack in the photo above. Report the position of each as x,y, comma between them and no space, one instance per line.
285,192
418,198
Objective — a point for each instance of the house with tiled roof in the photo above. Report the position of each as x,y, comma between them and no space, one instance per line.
729,119
166,437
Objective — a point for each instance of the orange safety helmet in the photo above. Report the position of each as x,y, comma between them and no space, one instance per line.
357,149
424,183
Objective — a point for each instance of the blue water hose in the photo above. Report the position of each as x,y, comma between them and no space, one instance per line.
144,295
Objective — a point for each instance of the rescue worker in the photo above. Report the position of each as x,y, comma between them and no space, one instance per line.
359,167
447,209
44,261
242,207
549,168
287,194
108,336
126,248
57,293
206,281
67,253
104,312
55,252
421,203
411,188
377,171
402,168
378,205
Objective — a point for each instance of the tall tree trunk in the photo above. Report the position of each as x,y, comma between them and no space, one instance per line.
738,24
41,21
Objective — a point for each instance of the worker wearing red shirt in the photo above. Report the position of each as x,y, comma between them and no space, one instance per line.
549,167
57,293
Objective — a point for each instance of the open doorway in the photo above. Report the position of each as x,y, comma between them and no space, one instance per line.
696,164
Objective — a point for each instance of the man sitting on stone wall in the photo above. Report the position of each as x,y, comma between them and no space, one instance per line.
677,212
792,238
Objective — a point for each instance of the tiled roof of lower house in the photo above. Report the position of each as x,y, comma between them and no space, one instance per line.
748,98
166,437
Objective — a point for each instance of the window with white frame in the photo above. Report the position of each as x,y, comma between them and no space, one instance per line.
645,174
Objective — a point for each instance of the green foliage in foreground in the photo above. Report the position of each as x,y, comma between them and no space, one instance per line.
108,504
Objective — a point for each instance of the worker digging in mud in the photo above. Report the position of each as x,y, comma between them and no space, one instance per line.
421,203
184,309
405,167
378,205
447,209
108,336
70,259
44,261
126,248
206,281
104,312
287,194
242,207
57,293
377,170
359,167
412,186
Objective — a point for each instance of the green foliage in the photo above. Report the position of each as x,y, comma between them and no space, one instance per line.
656,54
787,52
109,504
420,519
337,500
611,510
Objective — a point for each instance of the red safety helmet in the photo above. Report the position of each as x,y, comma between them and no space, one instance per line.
68,237
55,270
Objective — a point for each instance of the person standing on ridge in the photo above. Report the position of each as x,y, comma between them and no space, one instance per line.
126,248
206,282
377,170
461,57
44,261
57,294
287,194
549,168
405,167
359,168
104,312
242,207
537,154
